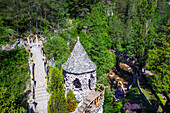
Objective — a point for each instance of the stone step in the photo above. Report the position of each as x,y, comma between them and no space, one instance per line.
81,109
83,105
42,95
40,88
86,102
41,99
40,92
42,111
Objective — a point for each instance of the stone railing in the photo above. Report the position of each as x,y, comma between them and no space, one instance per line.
32,96
97,100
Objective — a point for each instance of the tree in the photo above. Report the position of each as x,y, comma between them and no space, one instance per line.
14,74
159,61
4,33
78,8
142,34
164,11
33,15
97,42
58,49
72,103
115,30
57,102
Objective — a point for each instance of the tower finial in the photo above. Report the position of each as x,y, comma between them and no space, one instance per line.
77,38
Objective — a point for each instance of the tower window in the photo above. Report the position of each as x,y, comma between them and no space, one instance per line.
77,83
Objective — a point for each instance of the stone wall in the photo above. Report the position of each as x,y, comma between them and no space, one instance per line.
84,81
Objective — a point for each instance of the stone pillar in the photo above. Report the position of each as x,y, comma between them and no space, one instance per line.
37,40
31,103
28,41
32,66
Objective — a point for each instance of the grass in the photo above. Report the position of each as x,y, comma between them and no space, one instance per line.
150,96
134,96
147,92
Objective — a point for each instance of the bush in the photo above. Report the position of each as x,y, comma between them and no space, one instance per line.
148,67
72,103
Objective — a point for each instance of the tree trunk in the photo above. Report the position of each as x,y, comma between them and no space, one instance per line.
58,19
17,27
21,8
52,19
45,22
41,25
146,31
30,28
36,24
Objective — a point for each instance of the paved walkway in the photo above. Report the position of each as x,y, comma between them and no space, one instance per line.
41,95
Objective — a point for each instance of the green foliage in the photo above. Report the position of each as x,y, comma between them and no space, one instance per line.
166,108
134,96
57,102
72,103
78,8
131,26
42,16
142,32
58,49
5,33
97,42
109,106
159,61
116,32
14,74
103,80
157,95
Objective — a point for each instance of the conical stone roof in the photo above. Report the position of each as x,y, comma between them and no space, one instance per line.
78,61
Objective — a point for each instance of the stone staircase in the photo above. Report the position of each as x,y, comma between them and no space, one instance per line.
82,108
41,98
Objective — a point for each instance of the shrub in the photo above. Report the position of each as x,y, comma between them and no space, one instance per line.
72,103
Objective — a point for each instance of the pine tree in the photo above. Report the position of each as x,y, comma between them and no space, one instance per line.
57,102
159,61
78,8
4,34
142,31
97,42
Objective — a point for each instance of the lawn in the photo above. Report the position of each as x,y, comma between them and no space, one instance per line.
147,92
134,96
150,96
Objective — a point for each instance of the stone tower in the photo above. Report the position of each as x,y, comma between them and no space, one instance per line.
79,72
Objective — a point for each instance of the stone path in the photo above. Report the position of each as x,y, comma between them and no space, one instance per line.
41,95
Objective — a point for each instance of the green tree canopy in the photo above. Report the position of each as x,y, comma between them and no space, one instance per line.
57,102
14,74
159,61
58,49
